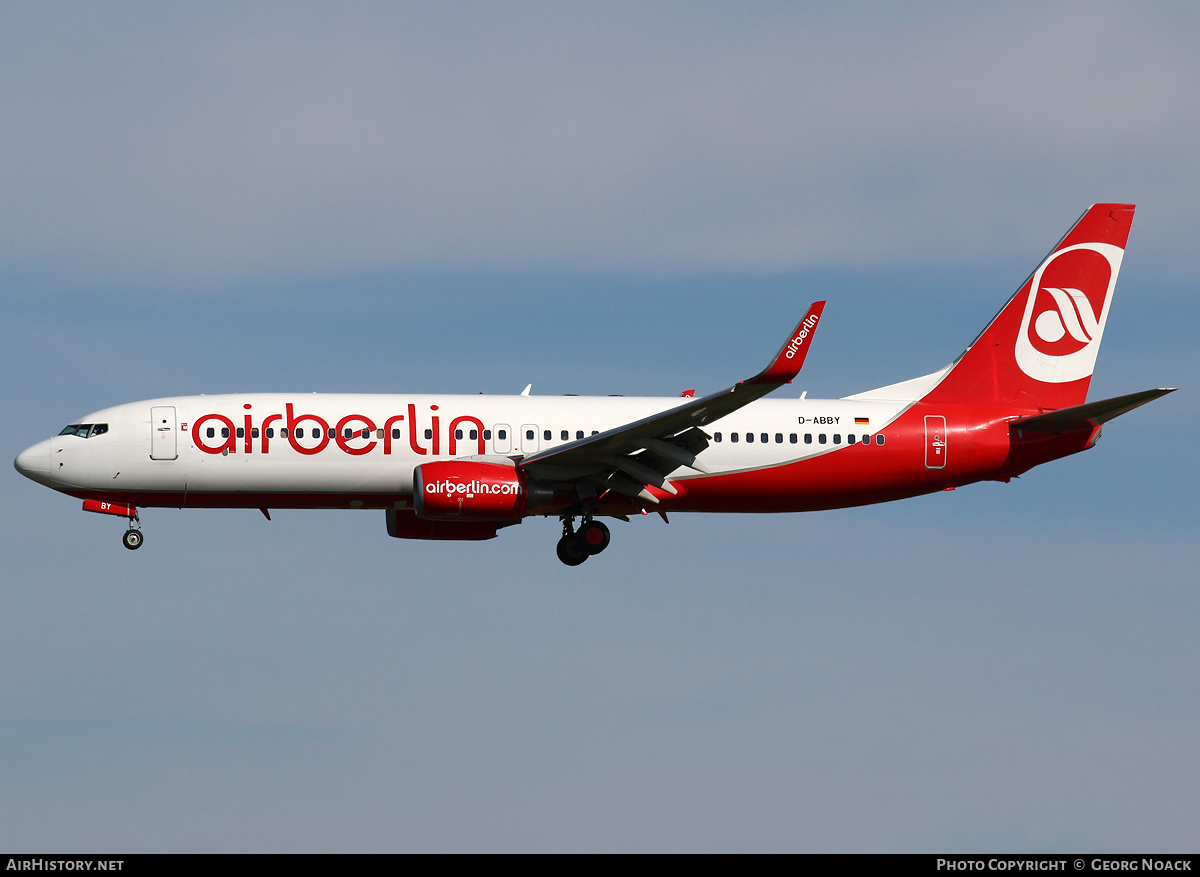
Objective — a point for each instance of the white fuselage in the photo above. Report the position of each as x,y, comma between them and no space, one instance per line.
280,444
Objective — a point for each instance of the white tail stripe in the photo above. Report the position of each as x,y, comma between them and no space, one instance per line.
1078,317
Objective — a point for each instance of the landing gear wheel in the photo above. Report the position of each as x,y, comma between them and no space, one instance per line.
571,550
132,539
594,536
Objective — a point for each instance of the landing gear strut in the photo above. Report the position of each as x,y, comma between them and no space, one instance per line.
577,546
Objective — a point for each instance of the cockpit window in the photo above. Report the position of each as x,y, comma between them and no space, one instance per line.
85,430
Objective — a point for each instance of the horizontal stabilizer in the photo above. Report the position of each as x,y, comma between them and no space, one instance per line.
1090,414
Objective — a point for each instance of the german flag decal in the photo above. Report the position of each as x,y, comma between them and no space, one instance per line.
862,421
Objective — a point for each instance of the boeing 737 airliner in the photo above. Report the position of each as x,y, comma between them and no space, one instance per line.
463,467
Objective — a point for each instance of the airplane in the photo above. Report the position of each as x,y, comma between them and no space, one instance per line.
450,467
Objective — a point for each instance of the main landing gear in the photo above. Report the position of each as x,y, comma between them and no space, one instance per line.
576,546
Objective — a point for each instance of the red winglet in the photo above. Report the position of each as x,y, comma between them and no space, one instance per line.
790,358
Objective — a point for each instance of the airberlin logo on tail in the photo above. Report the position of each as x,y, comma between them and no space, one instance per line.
796,343
1068,320
1065,310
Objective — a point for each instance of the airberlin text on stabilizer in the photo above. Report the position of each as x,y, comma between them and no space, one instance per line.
1112,863
41,863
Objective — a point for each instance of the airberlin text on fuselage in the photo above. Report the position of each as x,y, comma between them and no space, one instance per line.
322,430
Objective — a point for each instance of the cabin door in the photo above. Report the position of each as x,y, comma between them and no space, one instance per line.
935,441
163,429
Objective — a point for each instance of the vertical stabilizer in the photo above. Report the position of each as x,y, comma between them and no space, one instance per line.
1039,351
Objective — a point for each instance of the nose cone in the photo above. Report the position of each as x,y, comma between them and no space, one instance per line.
35,462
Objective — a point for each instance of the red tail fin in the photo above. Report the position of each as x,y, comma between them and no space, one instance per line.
1039,351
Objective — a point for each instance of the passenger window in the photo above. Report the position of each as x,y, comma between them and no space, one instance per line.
879,439
778,438
595,432
821,438
332,432
866,439
458,434
379,433
733,436
837,438
565,435
529,434
254,432
366,433
224,432
283,432
716,436
429,433
546,434
792,438
211,432
749,437
764,438
299,432
808,438
473,435
395,433
578,434
487,434
270,432
502,434
348,432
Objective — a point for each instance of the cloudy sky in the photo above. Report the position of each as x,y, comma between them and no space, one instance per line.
595,198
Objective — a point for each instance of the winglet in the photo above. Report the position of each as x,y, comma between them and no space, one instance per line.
790,358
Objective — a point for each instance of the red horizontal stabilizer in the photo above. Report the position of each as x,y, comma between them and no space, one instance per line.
1089,415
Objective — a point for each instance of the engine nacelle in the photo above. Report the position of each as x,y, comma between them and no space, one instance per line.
474,490
406,525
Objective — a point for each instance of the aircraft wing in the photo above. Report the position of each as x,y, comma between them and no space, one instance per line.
632,457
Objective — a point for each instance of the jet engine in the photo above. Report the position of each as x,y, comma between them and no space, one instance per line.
476,490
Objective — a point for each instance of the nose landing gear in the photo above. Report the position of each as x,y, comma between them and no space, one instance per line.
133,537
577,546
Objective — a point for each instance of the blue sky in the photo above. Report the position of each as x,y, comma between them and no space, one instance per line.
595,198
